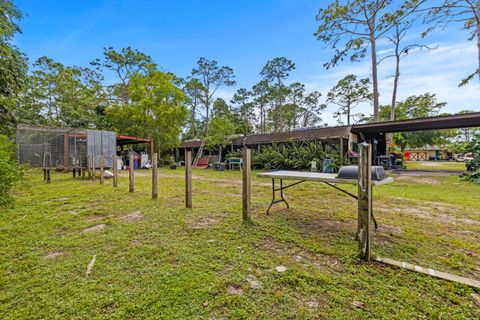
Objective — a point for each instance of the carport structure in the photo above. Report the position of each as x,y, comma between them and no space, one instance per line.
376,133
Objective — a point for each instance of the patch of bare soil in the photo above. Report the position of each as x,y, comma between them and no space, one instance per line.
417,179
299,255
430,211
132,217
95,217
53,255
234,289
204,223
97,227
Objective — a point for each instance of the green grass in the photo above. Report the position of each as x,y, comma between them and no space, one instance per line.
435,165
177,263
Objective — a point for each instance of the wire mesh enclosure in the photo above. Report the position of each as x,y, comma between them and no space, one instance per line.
64,147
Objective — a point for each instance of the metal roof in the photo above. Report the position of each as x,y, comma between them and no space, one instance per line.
419,124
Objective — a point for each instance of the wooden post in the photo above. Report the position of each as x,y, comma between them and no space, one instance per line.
93,167
154,176
246,185
130,173
364,199
44,174
340,149
115,169
89,168
102,171
188,178
48,178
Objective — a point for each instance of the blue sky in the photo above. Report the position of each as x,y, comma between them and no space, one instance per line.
241,34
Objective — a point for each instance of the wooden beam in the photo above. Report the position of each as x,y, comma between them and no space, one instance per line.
130,173
102,170
188,178
437,274
364,200
154,176
246,185
93,167
89,167
115,170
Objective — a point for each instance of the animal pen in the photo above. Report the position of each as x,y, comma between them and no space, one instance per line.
65,148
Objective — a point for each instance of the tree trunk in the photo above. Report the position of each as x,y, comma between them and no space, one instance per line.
394,93
478,45
220,154
207,107
373,42
348,115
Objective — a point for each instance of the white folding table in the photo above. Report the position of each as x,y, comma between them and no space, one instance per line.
329,179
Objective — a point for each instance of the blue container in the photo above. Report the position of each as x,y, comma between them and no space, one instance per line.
327,166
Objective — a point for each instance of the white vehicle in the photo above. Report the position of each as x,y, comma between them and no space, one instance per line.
468,156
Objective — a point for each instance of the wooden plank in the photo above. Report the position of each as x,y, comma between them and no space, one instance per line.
155,176
130,174
89,168
49,179
93,167
188,179
364,200
115,171
434,273
246,185
102,170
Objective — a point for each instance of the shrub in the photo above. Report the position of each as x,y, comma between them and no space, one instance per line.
473,166
10,171
292,155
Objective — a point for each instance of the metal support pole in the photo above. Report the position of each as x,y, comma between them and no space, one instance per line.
115,169
102,171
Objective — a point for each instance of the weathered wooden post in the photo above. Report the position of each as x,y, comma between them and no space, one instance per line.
188,178
130,173
49,179
115,169
364,199
89,167
154,176
102,171
44,174
246,185
93,167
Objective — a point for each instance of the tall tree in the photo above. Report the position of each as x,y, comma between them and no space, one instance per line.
157,109
124,64
275,72
211,76
466,13
349,93
260,93
425,105
354,26
220,134
193,89
244,109
13,65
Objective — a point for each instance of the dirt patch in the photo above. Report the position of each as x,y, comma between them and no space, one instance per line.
132,217
234,289
97,227
299,255
204,223
95,217
430,211
417,179
53,255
